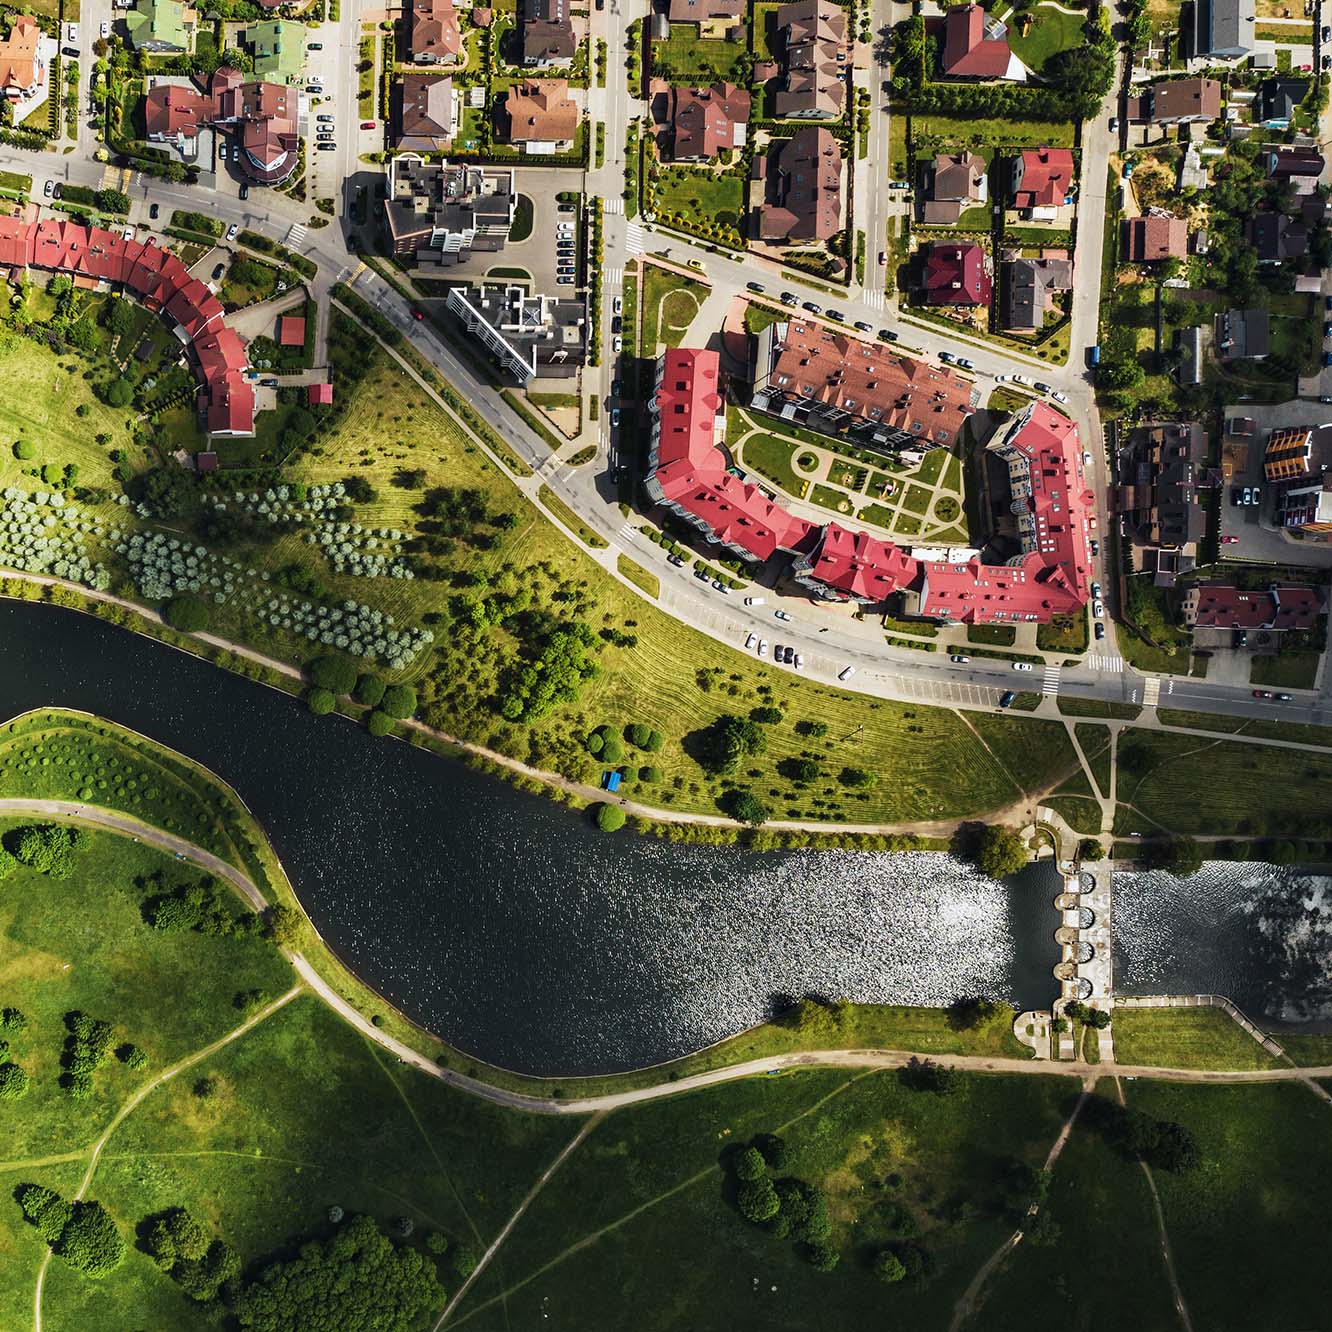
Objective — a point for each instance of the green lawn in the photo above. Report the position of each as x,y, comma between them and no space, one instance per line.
1287,670
687,196
1267,730
893,1163
1094,707
1064,633
1095,742
1051,31
1081,813
916,499
997,635
1186,1038
686,58
991,133
670,305
1247,1229
639,576
770,455
835,501
1038,754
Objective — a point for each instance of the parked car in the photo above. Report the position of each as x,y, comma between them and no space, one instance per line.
233,231
325,117
754,286
781,615
564,280
1041,387
565,208
617,344
675,560
964,364
1241,638
959,659
1230,540
1007,698
105,31
799,662
837,314
947,358
615,418
314,46
888,335
617,306
788,655
244,191
763,647
1059,397
1285,698
755,601
1098,609
1096,591
1095,547
221,152
719,585
1100,631
750,641
846,672
48,188
324,134
1263,693
1022,665
1257,495
326,147
153,210
864,327
367,124
71,32
790,298
701,574
1247,496
811,307
218,270
883,258
1237,495
418,314
616,325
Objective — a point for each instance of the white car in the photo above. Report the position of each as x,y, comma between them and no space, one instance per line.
106,31
1002,379
233,231
750,640
617,344
1098,609
1022,665
617,306
1059,397
846,672
763,647
1086,457
753,601
1023,380
781,615
71,32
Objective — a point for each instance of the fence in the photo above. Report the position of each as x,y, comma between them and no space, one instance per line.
1202,1001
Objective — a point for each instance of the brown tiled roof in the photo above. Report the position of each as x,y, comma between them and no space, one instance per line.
1181,98
804,189
541,109
704,119
435,31
1147,239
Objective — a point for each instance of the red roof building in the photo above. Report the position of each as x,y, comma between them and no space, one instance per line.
966,53
1220,606
319,395
1042,178
159,279
290,331
957,275
854,566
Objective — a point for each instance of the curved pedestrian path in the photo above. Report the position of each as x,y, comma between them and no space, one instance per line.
112,821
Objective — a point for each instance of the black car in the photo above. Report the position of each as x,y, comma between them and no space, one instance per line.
790,298
811,307
864,327
153,211
218,271
754,286
244,191
1008,699
888,335
836,314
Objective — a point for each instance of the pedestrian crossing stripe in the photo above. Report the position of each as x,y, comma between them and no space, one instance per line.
1050,680
615,204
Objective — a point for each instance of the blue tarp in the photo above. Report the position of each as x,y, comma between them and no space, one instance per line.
612,781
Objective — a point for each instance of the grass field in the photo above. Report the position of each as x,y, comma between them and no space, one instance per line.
639,576
685,57
1081,813
770,455
570,519
1095,743
1051,31
1287,670
700,195
992,133
1120,1283
1266,730
1248,1227
1186,1038
670,305
893,1163
1093,707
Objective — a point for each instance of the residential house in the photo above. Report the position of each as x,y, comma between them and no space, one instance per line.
1305,506
442,213
1027,287
1160,474
1275,609
1294,164
1277,99
814,84
161,26
1242,335
1276,238
548,39
1223,29
1154,237
802,187
838,385
706,120
278,48
965,52
425,113
854,566
957,275
1183,102
434,37
953,183
527,336
728,12
22,64
1042,179
542,116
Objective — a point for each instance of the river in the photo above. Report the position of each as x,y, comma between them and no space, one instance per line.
515,931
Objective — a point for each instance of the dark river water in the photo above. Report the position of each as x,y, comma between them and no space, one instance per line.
516,932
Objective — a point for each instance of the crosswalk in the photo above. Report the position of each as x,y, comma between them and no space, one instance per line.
635,241
296,236
876,300
626,531
1102,662
614,204
1151,690
615,278
1050,679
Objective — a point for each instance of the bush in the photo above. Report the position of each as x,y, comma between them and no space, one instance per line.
24,451
379,723
132,1056
822,1257
610,818
649,774
369,690
595,742
336,674
187,613
13,1082
757,1200
637,734
749,1165
320,701
888,1267
612,751
399,701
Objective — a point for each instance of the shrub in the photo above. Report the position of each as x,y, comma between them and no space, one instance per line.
612,751
13,1082
187,613
822,1257
336,674
637,734
595,742
749,1165
379,723
628,773
369,690
649,774
399,701
132,1056
767,715
888,1267
24,451
757,1200
13,1019
320,701
654,742
610,818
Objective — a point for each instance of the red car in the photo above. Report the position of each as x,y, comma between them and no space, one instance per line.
1263,693
418,314
1229,541
367,124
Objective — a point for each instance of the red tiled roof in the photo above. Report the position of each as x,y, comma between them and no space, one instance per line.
161,281
966,51
860,565
290,331
1280,607
956,275
1043,178
319,395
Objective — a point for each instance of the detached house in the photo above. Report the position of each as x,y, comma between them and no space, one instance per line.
1027,287
542,116
435,38
1042,178
815,34
706,120
803,187
22,66
957,275
548,39
953,183
965,52
1148,240
161,26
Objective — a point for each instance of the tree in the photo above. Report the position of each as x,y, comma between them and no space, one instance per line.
857,778
888,1267
320,701
745,807
1090,849
1044,1231
612,751
90,1240
186,612
729,740
969,1012
1181,856
48,848
637,734
822,1257
1000,852
8,864
132,1056
175,1235
399,701
369,690
24,451
1176,1148
927,1076
168,491
13,1019
749,1165
336,674
379,723
757,1200
285,926
772,1149
373,1285
359,489
766,715
119,316
801,770
13,1082
610,818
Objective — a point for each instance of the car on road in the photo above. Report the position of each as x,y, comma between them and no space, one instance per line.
1100,631
1095,547
790,298
615,418
367,124
959,658
811,307
846,672
1060,397
763,647
1285,698
233,231
1263,693
755,601
325,117
153,211
617,306
617,344
1007,698
836,314
799,662
314,46
105,31
1098,609
675,560
964,364
1230,540
883,258
888,335
218,270
750,641
326,147
754,286
781,615
418,313
1022,665
864,327
947,358
48,188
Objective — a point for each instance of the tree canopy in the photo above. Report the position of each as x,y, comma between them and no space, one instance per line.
1000,851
